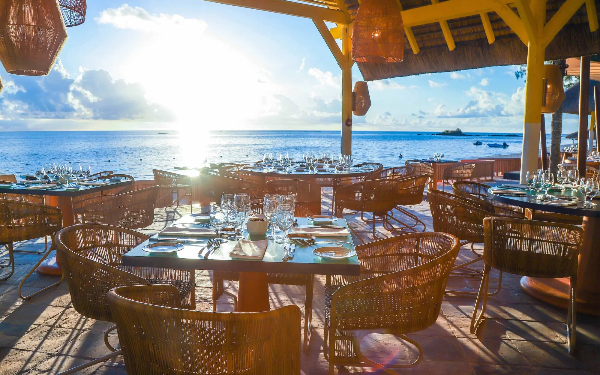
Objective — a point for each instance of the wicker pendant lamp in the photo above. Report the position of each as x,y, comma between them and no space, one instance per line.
73,11
378,35
32,34
1,85
554,90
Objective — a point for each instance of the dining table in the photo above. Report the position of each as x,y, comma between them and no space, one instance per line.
556,291
253,292
61,196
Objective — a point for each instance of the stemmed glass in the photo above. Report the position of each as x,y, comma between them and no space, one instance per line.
228,207
547,182
561,178
284,217
218,219
242,208
530,178
269,209
573,177
592,189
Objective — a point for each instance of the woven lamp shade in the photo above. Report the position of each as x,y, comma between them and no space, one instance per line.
378,35
73,11
555,92
32,34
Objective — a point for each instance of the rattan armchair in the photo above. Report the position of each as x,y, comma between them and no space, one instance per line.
410,192
458,172
158,337
308,193
11,178
171,186
420,168
476,190
399,291
20,221
82,201
131,210
376,196
395,172
91,258
535,249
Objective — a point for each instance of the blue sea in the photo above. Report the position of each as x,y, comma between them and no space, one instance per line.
138,152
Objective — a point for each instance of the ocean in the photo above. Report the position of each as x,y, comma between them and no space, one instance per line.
138,152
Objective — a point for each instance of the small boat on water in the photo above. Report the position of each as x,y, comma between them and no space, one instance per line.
498,145
478,143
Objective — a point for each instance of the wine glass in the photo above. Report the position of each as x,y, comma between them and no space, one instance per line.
269,209
592,189
573,177
218,219
243,209
228,207
547,182
561,178
529,178
284,219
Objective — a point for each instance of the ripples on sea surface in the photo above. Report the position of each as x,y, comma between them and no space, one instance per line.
138,152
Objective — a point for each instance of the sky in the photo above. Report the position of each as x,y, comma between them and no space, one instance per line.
193,66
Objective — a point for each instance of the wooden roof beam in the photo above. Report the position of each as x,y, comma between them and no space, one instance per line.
341,59
410,35
487,26
513,21
446,31
564,14
447,10
291,8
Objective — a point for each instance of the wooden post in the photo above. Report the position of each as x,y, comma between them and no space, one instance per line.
543,143
597,108
347,97
584,96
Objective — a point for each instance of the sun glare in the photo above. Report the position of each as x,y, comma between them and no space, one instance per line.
204,81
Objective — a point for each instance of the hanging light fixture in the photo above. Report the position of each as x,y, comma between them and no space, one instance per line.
554,92
378,35
1,85
73,11
362,99
32,34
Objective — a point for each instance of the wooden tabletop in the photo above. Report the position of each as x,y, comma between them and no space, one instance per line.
61,191
530,201
304,261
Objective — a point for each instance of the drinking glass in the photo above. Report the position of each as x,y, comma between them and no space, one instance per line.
561,178
547,182
592,189
573,177
529,177
218,219
284,219
242,208
269,209
228,207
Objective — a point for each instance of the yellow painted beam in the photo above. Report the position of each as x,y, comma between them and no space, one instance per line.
590,6
410,35
331,43
347,97
560,19
513,21
446,31
487,26
449,10
291,8
529,20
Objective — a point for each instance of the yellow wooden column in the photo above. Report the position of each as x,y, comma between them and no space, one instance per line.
534,17
347,97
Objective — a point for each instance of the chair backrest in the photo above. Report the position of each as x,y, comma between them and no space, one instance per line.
157,337
410,189
470,189
459,171
378,196
419,167
591,172
308,193
459,216
133,210
91,259
401,285
395,172
21,220
532,248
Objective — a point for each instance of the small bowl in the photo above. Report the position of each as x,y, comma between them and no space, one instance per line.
257,227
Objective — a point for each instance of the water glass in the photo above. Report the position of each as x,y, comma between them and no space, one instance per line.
242,208
269,208
284,219
228,207
592,189
573,177
218,219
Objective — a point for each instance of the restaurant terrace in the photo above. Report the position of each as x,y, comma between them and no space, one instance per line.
321,264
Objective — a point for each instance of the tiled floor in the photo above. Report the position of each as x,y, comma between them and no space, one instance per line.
522,335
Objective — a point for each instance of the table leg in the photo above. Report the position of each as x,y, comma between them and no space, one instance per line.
556,291
253,292
51,266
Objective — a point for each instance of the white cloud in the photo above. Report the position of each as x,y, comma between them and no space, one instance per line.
484,82
384,119
436,84
326,78
388,84
487,104
455,75
301,68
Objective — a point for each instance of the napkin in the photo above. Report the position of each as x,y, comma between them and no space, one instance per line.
322,220
254,250
202,219
321,232
39,187
508,191
187,232
562,202
93,183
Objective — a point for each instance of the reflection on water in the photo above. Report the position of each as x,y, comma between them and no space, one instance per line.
137,153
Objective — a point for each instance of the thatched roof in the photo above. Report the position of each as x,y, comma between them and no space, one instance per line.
472,48
571,102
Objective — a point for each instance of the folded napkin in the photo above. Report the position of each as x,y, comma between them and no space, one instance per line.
254,250
321,232
508,191
39,187
93,183
201,219
187,232
322,220
562,202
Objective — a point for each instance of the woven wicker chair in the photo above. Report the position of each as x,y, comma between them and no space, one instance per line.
171,186
535,249
419,167
91,258
376,196
305,280
20,221
395,172
410,192
399,291
458,172
308,193
131,210
476,190
462,217
82,201
11,178
158,337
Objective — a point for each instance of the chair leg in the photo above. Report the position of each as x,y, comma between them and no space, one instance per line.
33,270
11,261
481,299
572,316
91,363
308,312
